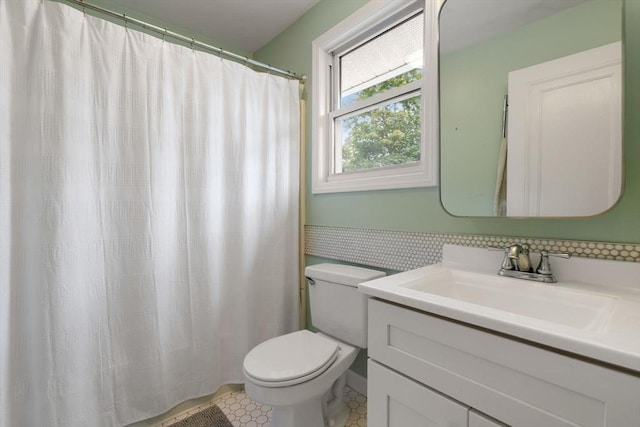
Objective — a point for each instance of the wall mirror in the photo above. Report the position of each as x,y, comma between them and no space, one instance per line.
530,107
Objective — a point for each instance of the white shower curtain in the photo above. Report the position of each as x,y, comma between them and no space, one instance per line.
148,218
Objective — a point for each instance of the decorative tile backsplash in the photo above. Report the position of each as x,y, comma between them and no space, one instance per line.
400,250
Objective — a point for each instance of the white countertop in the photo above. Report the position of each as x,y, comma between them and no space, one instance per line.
547,314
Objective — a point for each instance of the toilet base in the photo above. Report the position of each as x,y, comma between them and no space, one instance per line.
341,417
308,414
333,407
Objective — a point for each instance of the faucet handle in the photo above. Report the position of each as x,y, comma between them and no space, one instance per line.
558,255
544,267
507,263
516,257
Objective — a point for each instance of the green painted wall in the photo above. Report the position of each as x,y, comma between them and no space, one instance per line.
420,209
473,82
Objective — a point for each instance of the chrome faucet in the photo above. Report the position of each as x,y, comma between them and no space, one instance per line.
519,256
516,263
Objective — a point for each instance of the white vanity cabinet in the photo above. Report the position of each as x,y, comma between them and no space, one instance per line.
402,402
397,401
426,370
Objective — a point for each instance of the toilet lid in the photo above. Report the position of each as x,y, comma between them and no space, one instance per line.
298,356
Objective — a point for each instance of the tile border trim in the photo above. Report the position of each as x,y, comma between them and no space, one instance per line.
402,250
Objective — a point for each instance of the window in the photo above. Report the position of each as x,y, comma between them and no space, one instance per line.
370,99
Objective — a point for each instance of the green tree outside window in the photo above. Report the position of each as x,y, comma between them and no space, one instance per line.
385,136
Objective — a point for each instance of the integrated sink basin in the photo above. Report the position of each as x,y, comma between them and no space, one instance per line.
593,311
549,303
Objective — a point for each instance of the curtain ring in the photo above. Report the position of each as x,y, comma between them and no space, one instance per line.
164,34
193,40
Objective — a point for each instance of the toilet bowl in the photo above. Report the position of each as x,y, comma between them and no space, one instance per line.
302,375
304,394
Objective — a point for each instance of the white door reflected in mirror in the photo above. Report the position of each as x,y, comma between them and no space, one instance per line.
564,135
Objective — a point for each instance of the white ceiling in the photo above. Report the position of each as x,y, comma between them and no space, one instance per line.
467,22
245,25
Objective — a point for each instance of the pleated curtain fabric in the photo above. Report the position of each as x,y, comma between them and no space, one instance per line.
148,218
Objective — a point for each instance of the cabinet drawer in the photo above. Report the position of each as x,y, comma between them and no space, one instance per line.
517,383
396,401
479,420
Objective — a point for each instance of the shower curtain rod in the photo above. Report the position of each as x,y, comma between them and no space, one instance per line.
190,40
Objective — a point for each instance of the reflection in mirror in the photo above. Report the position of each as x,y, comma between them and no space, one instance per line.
530,107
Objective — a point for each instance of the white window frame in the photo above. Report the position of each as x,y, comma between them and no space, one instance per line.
423,173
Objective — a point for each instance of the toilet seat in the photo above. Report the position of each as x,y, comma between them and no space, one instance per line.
290,359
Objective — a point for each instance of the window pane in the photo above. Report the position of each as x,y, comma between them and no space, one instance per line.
383,135
392,59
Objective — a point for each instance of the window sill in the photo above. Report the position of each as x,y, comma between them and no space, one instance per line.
404,176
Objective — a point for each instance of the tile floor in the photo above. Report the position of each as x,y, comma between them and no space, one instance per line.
244,412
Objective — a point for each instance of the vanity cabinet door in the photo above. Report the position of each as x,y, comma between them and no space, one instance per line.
512,381
477,419
393,400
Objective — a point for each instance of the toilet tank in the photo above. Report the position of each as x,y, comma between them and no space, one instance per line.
337,308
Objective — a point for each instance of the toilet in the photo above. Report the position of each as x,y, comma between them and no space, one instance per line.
301,375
